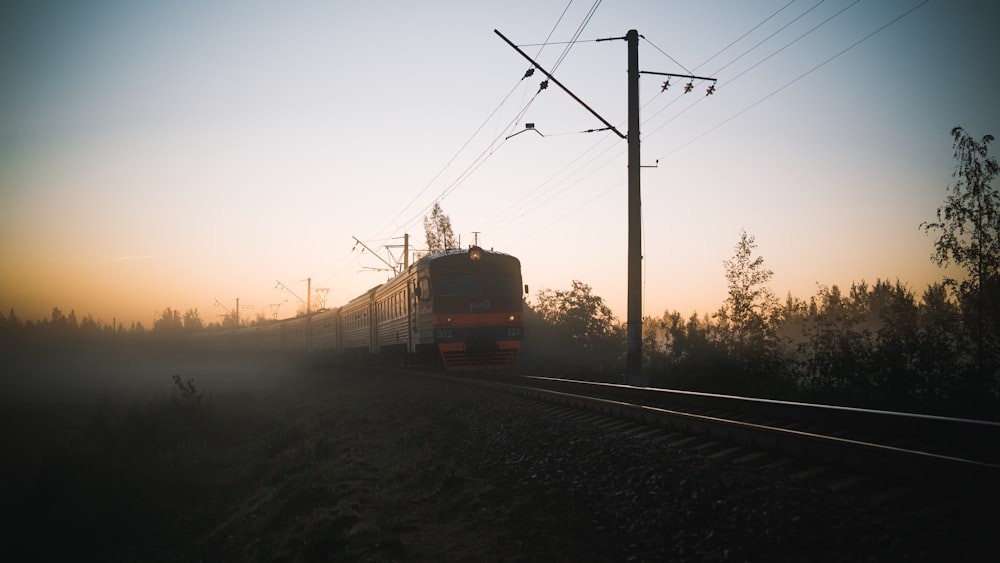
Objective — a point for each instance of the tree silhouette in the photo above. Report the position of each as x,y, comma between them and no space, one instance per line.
579,313
969,236
168,322
747,315
192,320
437,228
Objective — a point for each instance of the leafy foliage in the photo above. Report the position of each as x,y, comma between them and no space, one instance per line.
969,220
192,320
969,236
747,316
579,313
437,228
169,321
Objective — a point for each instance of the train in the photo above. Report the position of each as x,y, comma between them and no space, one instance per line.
461,309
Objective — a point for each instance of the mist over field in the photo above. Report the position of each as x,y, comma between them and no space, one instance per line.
87,372
125,448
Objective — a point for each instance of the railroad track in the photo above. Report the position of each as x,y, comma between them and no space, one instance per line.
956,458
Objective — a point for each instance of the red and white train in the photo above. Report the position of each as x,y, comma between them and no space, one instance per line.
462,307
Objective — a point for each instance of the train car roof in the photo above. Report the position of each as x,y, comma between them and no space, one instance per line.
421,264
456,251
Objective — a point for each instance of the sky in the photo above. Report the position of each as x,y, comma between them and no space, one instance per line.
187,154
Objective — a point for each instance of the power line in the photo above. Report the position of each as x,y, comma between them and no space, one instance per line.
792,42
738,39
486,153
782,48
744,53
576,35
517,207
797,78
779,30
510,211
492,147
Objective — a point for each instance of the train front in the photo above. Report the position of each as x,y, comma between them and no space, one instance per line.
477,308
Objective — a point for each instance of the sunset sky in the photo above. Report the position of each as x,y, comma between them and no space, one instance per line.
188,153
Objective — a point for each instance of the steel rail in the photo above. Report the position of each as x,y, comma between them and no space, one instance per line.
948,472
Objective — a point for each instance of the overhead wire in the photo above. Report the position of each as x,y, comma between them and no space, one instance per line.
779,30
771,16
797,78
524,202
430,183
492,147
729,81
451,160
548,195
480,159
738,39
510,214
790,43
576,35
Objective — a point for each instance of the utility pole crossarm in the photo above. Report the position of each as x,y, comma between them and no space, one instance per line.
559,84
691,76
358,241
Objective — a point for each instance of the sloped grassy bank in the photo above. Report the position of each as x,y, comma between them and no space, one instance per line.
279,462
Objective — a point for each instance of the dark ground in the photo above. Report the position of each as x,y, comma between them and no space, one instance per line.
291,464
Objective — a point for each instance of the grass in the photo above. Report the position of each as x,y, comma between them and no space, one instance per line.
123,479
305,467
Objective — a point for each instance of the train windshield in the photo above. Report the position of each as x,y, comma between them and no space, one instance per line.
453,286
502,285
457,286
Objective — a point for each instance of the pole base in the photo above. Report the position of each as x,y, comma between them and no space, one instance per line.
636,380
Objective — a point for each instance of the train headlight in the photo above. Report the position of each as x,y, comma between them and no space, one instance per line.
511,318
475,253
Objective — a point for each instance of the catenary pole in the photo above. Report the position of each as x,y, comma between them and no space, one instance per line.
633,366
633,358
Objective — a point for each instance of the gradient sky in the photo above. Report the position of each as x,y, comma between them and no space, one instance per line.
187,153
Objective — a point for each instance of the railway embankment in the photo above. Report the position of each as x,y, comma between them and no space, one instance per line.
366,465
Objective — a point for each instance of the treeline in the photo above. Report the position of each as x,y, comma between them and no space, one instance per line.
67,325
168,322
875,346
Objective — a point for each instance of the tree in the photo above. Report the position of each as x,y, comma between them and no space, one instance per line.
969,236
437,227
748,313
890,316
939,351
579,313
168,322
192,320
232,318
836,354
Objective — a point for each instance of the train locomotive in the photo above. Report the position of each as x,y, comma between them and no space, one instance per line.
462,308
